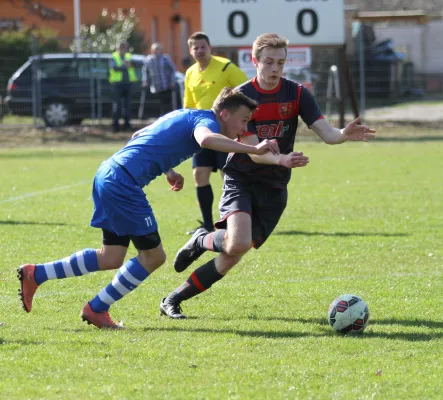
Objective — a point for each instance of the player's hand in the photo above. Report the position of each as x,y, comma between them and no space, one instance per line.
267,146
175,180
355,132
294,160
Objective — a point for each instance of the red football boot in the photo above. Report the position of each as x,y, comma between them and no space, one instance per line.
28,285
101,320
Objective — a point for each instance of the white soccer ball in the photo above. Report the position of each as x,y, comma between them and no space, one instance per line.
348,314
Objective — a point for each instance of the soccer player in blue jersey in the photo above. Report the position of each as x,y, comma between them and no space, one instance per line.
121,209
255,187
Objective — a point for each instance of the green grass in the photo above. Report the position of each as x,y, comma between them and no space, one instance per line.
14,119
437,102
362,218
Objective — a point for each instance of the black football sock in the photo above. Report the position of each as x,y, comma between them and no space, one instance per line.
199,281
212,241
205,198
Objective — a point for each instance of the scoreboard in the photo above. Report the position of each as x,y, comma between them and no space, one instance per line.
236,23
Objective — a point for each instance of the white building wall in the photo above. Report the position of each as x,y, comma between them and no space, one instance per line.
423,43
434,48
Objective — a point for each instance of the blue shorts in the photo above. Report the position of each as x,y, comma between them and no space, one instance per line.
120,206
210,158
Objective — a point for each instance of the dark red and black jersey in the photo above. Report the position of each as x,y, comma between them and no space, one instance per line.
275,118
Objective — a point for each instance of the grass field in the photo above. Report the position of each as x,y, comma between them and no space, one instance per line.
362,218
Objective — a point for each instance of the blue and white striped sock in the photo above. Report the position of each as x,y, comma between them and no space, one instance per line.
80,263
128,278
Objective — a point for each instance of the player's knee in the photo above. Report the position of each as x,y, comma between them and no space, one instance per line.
228,263
160,259
152,261
237,248
110,261
201,176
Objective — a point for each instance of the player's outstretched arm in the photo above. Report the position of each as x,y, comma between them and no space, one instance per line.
291,160
353,132
209,140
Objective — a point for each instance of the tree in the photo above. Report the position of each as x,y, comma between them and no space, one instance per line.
111,29
39,9
17,47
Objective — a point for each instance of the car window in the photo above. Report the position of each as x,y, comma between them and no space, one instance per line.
60,69
24,73
100,68
93,68
83,68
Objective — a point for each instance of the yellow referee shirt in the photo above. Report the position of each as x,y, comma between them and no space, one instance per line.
202,87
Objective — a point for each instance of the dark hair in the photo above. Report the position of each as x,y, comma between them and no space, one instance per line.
198,36
231,99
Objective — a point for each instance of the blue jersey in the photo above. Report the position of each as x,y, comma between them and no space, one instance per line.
164,144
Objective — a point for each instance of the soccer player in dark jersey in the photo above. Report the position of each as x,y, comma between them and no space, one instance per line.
121,209
255,187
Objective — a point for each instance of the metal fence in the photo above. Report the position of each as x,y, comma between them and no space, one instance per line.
70,88
66,88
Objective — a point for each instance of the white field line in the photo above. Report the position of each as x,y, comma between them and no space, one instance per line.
43,192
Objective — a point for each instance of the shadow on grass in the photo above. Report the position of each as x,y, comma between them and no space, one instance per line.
406,322
55,154
325,331
410,139
421,323
22,342
341,234
12,222
251,333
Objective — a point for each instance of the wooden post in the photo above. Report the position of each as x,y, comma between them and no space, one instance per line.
341,73
350,85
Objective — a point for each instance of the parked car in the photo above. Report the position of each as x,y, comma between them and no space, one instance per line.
67,88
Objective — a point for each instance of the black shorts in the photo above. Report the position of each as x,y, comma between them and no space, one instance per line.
210,158
265,206
147,242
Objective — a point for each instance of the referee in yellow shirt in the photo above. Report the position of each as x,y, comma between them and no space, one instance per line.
204,80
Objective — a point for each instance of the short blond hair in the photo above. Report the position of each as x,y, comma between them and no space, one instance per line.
268,40
231,99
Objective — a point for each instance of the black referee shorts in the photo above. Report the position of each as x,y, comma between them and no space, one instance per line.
210,158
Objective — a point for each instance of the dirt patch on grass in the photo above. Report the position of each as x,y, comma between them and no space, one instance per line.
15,136
24,136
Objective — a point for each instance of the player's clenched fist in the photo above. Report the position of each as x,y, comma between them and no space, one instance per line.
294,160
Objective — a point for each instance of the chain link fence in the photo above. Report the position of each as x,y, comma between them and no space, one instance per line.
71,88
68,88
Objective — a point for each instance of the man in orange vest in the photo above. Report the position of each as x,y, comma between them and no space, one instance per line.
121,76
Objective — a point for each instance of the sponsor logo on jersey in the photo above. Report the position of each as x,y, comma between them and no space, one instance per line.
285,109
269,131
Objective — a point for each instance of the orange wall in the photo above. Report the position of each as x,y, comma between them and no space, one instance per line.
172,35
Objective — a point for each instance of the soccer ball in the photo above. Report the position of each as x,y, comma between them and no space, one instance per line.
348,314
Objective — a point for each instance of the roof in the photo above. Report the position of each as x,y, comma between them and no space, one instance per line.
54,56
418,16
428,7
